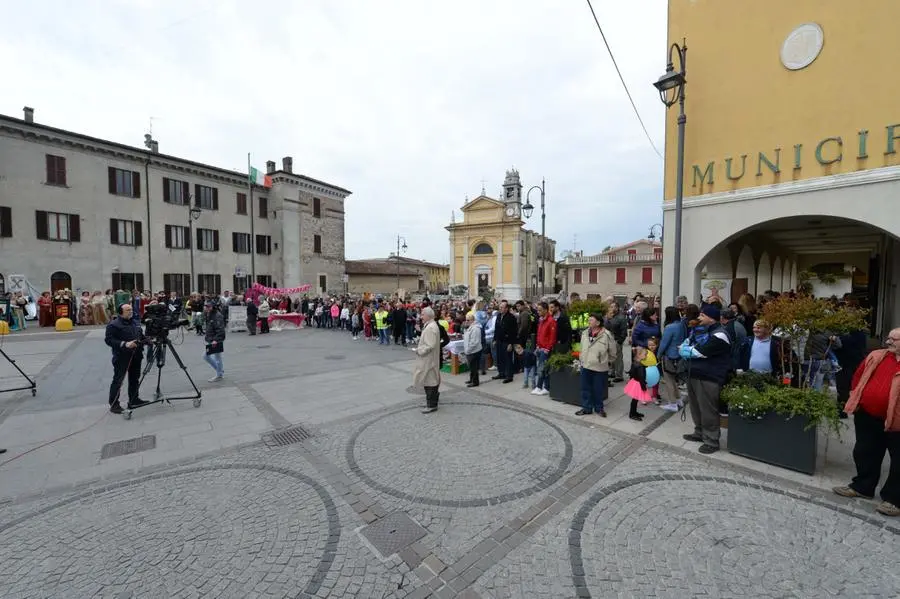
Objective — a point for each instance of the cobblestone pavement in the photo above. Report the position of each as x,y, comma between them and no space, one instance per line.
487,498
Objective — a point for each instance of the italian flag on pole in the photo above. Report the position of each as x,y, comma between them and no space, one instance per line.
257,177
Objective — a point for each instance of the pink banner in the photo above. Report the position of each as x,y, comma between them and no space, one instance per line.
280,291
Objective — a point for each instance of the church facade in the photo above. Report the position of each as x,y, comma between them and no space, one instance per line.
492,250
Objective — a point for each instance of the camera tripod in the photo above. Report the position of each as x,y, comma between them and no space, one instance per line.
157,355
31,382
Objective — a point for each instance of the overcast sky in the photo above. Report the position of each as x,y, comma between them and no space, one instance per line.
409,104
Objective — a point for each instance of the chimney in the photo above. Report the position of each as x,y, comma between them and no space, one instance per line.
154,146
270,166
29,114
287,164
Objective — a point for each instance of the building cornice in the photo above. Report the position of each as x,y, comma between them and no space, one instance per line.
309,184
37,132
885,174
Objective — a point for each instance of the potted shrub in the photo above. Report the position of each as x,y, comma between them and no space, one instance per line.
565,378
776,420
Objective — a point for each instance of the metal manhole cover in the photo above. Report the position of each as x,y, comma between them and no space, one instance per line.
128,446
287,436
392,533
415,390
336,357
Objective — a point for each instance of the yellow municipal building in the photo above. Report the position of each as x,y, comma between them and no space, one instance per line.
792,150
491,250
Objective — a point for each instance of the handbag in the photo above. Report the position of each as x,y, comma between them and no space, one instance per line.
218,349
670,366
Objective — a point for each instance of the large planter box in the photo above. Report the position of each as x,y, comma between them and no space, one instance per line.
565,386
775,440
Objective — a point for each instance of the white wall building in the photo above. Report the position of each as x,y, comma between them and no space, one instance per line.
86,213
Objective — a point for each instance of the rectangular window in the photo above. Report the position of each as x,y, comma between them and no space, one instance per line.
592,276
242,203
54,226
125,232
56,170
206,197
178,237
124,183
128,281
264,244
5,221
317,244
179,283
240,243
211,284
264,280
632,255
620,276
317,208
208,240
323,283
263,207
577,276
647,275
240,284
176,192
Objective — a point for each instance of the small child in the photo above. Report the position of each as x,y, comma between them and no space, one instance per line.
651,361
644,376
529,365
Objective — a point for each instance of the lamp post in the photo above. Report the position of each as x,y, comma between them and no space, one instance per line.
674,81
528,209
193,214
397,256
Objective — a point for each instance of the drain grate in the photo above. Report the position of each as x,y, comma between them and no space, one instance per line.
128,446
286,436
263,346
335,357
392,533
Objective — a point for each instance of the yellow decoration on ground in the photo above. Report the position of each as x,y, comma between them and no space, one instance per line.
64,324
4,327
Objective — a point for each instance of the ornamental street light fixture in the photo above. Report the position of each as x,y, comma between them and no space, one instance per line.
193,214
397,257
671,90
528,209
652,236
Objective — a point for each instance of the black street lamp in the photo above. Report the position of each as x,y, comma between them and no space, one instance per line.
397,256
652,236
671,90
528,209
193,214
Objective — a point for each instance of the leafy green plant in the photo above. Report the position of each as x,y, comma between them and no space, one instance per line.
557,362
753,395
588,306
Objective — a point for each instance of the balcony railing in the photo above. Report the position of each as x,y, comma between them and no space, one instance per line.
614,259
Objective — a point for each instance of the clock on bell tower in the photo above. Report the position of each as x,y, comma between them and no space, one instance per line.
512,193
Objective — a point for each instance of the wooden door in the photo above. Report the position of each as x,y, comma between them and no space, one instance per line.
738,288
60,280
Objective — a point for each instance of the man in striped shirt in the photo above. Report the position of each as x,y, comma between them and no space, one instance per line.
875,405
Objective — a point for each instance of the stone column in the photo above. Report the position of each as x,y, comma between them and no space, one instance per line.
499,282
467,276
517,262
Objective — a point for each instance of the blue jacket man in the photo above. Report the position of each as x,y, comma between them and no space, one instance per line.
124,337
708,349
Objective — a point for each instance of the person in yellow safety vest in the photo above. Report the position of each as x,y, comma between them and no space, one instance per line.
444,322
381,325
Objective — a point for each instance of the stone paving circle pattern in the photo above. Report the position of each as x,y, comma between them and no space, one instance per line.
460,456
276,531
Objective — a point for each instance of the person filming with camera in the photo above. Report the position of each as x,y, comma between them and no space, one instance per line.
215,338
124,337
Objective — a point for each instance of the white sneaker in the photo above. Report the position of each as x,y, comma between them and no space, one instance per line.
492,368
536,391
544,392
215,379
670,407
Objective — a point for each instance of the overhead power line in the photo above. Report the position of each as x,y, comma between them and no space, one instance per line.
622,79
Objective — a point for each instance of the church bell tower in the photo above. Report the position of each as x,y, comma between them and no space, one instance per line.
512,194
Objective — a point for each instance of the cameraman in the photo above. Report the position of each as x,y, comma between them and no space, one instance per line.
124,336
215,337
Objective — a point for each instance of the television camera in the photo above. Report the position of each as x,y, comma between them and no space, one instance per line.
159,319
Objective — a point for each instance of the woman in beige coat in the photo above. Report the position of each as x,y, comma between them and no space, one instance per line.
427,372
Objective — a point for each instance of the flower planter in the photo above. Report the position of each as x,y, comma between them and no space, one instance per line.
565,386
775,440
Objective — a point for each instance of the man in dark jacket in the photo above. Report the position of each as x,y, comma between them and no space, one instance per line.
505,336
252,316
563,328
123,336
708,350
398,324
215,338
617,324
